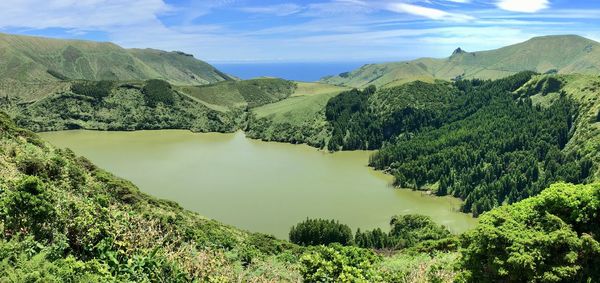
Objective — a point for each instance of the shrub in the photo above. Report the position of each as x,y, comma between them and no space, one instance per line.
31,165
552,237
158,91
414,228
337,263
28,209
320,232
408,231
97,90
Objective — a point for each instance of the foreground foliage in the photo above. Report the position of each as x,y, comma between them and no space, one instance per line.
552,237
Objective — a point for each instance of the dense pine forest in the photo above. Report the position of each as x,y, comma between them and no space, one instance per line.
477,140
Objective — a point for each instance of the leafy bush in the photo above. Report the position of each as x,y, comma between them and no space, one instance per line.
158,91
28,209
320,232
336,263
407,231
411,229
552,237
97,90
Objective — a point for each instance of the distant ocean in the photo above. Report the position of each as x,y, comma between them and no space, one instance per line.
306,72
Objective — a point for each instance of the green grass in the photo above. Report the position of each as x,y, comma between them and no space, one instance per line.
36,60
240,94
303,105
563,54
297,119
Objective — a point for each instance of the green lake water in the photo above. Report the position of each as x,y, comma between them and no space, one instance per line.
258,186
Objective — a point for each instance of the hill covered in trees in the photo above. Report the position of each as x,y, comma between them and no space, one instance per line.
111,105
487,142
563,54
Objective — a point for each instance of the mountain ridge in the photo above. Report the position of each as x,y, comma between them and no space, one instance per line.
563,54
39,59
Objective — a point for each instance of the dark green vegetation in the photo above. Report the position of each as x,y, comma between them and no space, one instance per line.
562,54
96,90
158,91
365,119
552,237
406,231
312,232
482,141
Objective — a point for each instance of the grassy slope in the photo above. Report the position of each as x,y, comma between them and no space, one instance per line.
241,94
298,119
28,59
565,54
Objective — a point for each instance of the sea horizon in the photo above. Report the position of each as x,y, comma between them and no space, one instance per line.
296,71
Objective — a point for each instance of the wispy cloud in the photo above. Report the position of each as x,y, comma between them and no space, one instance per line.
278,10
431,13
524,6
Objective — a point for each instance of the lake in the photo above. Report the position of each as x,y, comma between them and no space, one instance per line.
258,186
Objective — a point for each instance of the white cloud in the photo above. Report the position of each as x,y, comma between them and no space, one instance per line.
524,6
72,14
431,13
278,10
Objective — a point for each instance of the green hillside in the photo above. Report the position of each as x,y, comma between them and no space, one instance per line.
241,94
565,54
30,60
297,119
108,105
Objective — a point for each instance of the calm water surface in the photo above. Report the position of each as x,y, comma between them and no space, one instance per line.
258,186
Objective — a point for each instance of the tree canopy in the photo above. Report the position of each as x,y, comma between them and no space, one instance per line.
552,237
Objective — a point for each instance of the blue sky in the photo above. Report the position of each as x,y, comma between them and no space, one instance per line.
304,31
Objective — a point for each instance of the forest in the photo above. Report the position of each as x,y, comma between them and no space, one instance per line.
477,140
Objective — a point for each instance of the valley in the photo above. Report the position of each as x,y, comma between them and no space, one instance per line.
145,165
